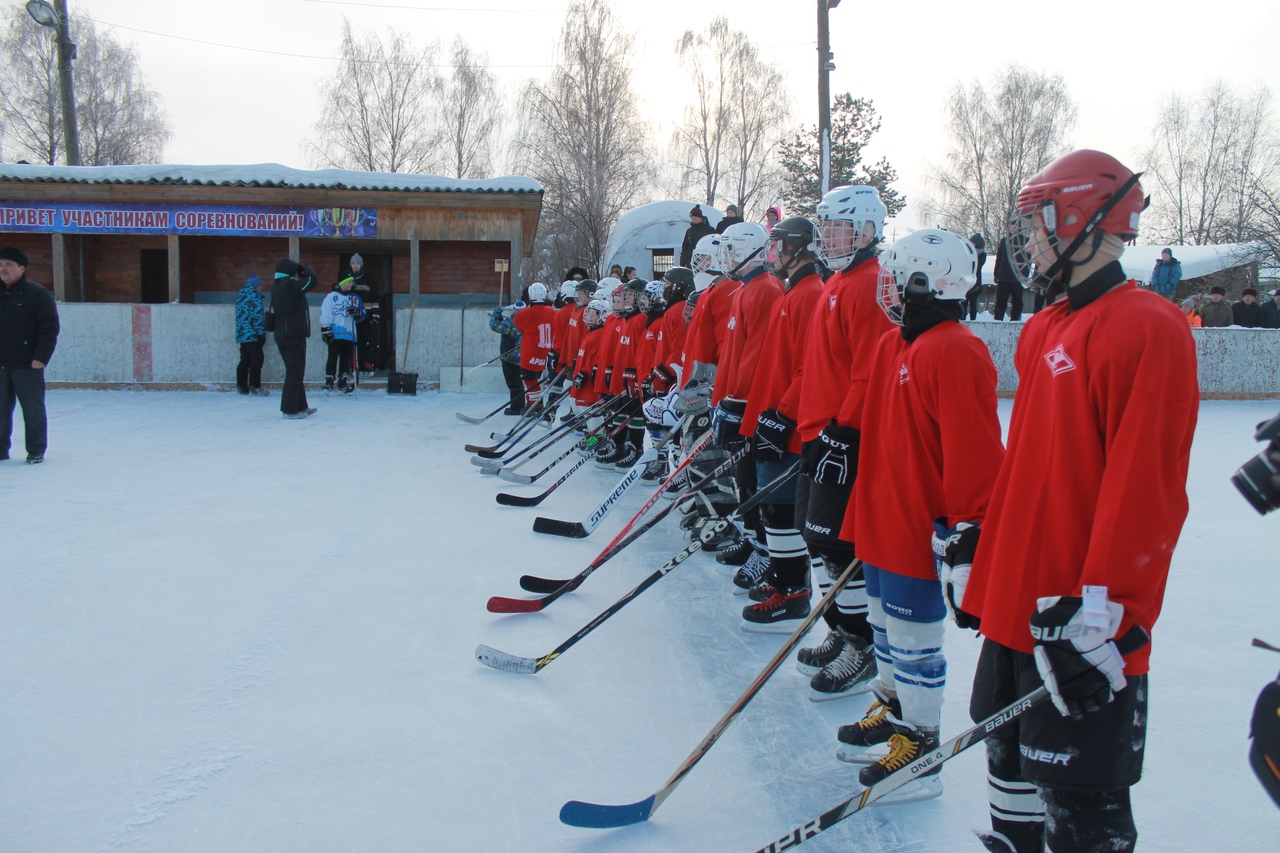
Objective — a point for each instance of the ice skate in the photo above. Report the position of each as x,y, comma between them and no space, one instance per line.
850,674
780,614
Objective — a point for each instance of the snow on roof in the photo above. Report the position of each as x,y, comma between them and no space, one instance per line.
660,224
262,175
1139,261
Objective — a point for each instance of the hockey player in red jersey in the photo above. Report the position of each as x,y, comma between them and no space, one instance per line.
583,294
779,582
661,388
708,326
535,326
930,449
623,380
1086,511
827,400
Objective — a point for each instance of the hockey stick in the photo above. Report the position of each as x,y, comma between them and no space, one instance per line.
520,431
584,528
496,659
530,414
470,420
502,604
533,583
1134,639
519,500
1263,644
543,442
597,816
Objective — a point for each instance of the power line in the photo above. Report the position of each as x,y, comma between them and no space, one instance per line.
419,8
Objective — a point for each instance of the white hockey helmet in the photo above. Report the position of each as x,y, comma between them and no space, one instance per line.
569,291
607,288
926,264
844,215
654,294
595,312
743,247
705,261
537,292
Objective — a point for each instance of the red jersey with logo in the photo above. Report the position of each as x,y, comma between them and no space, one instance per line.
613,325
535,326
847,324
626,355
560,330
1093,486
585,364
930,446
709,325
748,322
778,368
573,336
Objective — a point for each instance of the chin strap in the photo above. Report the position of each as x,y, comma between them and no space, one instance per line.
1064,263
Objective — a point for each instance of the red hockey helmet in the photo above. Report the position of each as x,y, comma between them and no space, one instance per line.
1082,194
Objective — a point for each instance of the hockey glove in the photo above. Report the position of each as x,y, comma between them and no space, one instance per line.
837,455
646,388
662,379
608,375
694,397
553,361
630,384
773,434
1075,650
953,549
580,380
326,333
726,421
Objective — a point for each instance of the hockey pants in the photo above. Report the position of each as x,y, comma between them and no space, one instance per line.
907,627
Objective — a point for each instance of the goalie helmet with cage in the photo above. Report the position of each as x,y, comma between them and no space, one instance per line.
925,265
679,284
743,248
654,296
793,236
705,261
1064,214
849,219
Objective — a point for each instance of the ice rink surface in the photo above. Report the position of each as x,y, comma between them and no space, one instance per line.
225,631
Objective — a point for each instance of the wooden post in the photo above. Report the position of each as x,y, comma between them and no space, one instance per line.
60,267
175,270
295,249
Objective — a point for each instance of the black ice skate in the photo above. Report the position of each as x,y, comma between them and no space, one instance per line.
811,659
780,614
850,674
630,456
858,741
750,573
906,745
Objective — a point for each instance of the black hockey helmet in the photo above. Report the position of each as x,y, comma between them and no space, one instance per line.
792,237
587,285
679,284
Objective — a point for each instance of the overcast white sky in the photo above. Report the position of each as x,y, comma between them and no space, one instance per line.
255,105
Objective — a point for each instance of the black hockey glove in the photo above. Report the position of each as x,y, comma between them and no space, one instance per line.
608,375
646,387
580,380
326,332
837,455
953,549
553,361
773,433
1075,650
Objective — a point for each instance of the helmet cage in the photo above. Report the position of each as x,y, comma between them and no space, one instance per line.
705,261
926,264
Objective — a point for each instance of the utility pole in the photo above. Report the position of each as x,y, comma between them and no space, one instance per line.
55,17
825,67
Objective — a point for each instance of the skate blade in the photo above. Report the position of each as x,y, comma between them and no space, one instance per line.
786,626
737,590
859,689
807,670
915,791
850,754
729,572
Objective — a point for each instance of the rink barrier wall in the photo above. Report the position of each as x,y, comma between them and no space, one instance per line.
193,346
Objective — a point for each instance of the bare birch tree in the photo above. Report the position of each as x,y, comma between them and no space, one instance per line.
729,137
1001,135
378,109
118,114
581,137
1210,160
471,113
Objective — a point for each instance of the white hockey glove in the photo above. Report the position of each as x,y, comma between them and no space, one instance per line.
694,398
953,550
1075,650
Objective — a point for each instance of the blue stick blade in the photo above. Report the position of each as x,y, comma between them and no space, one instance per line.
596,816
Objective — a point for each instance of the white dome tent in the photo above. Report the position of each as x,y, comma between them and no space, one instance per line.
649,237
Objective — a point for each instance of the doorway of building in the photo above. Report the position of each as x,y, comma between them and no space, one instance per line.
377,333
154,269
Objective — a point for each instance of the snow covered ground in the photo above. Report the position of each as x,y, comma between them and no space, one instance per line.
224,631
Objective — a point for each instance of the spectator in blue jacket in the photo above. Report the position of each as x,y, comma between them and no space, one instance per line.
501,322
250,336
1271,311
1167,274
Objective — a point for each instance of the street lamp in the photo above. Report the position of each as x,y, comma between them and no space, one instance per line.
55,17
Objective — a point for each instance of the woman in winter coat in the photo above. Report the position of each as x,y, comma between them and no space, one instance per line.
293,326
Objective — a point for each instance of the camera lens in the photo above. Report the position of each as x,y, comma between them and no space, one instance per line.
1255,483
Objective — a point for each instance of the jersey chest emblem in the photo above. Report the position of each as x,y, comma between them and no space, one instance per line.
733,323
832,306
903,375
1058,360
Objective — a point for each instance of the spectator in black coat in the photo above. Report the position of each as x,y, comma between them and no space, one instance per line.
293,326
28,335
731,217
1271,311
698,228
1008,285
1247,312
975,293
